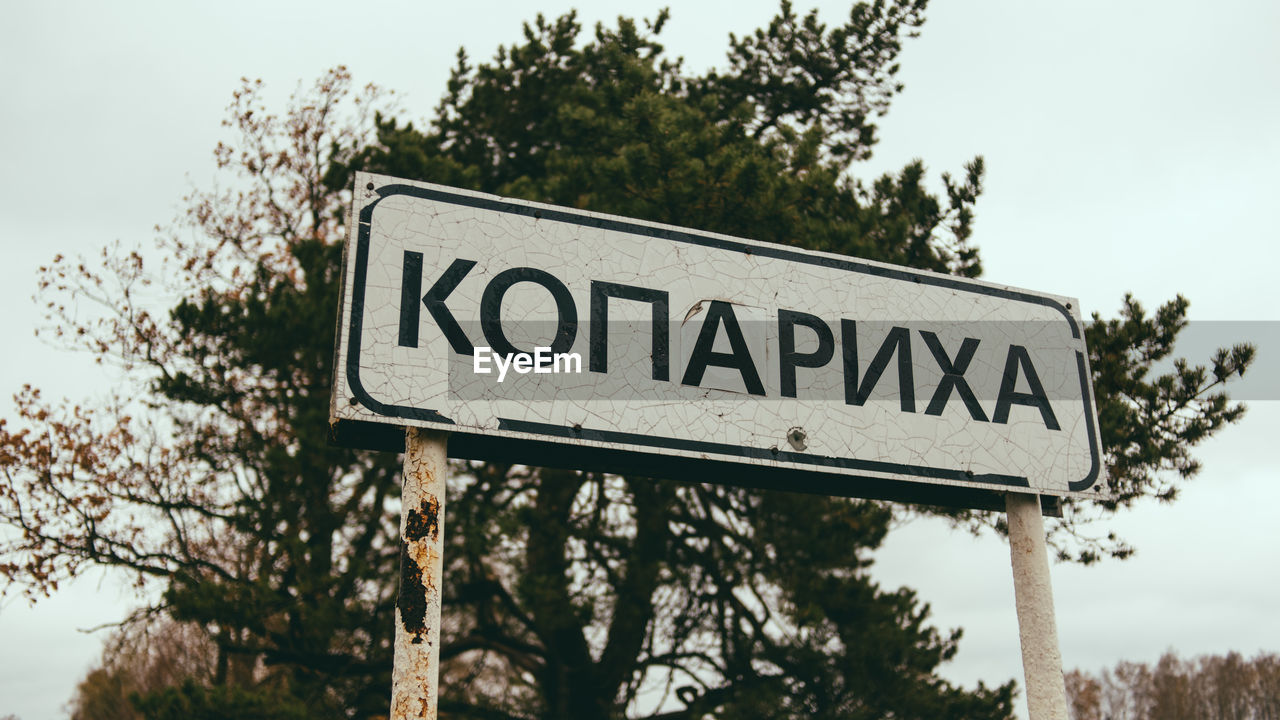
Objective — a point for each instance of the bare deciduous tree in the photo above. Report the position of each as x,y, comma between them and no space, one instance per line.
1209,687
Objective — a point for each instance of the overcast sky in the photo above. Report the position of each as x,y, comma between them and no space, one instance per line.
1130,147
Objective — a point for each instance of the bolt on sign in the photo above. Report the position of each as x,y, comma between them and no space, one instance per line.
559,337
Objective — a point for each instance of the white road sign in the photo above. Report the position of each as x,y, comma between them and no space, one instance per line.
552,336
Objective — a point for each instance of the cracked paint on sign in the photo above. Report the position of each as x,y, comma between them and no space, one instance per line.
889,373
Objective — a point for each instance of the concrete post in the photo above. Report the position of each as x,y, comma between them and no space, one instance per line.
415,674
1033,593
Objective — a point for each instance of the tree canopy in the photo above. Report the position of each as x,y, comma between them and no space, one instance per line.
567,594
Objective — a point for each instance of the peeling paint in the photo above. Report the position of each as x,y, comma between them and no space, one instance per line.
423,523
697,308
798,438
412,600
415,672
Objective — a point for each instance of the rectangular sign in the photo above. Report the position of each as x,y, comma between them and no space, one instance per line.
559,337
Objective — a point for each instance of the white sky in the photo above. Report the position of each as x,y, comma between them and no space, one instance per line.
1130,146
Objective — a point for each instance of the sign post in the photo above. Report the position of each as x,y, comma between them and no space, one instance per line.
416,669
562,338
1033,595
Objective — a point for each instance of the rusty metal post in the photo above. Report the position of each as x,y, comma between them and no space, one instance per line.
1033,594
415,674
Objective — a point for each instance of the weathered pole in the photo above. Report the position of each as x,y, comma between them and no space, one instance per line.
416,670
1033,594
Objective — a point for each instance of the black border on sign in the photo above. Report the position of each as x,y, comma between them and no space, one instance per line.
816,475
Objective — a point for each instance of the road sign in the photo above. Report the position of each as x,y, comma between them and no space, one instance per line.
554,336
